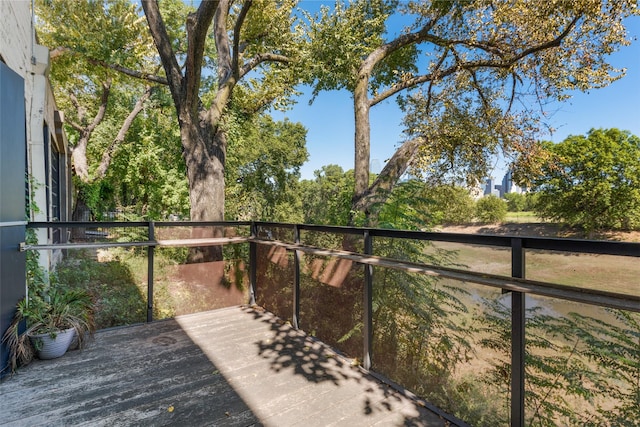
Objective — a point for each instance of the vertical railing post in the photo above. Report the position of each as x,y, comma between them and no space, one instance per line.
296,279
150,254
253,264
367,329
518,313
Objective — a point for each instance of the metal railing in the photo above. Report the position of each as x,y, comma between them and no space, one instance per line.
516,283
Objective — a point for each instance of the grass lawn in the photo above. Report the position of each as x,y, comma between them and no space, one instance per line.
522,217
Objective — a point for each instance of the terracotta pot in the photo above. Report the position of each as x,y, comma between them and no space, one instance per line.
51,348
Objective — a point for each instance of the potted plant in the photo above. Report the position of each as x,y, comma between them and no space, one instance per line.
52,322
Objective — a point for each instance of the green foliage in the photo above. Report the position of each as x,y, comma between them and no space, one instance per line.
451,204
118,299
592,181
327,198
531,201
406,208
418,339
615,347
420,334
270,27
146,173
345,34
516,202
576,366
262,171
491,209
82,33
50,312
117,33
149,175
36,277
479,60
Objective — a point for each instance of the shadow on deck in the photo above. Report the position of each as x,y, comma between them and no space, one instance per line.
232,367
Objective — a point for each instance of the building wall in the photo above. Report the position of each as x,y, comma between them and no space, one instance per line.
19,51
15,36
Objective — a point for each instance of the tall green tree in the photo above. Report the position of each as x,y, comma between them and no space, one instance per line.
516,202
592,181
263,169
222,52
477,71
147,178
450,204
90,95
253,43
491,209
327,198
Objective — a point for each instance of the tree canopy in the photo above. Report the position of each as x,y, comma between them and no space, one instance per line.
473,76
592,181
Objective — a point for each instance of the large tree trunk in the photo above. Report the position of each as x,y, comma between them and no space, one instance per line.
81,212
204,154
362,139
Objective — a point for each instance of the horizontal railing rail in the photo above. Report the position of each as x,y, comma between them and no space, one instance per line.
599,247
516,283
572,293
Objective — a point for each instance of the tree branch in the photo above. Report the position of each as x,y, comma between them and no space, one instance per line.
197,25
471,65
79,152
236,37
223,48
129,72
389,176
79,108
163,45
58,51
106,90
61,50
126,125
260,58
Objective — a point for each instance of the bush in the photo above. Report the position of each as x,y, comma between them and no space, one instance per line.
515,202
491,209
531,199
451,204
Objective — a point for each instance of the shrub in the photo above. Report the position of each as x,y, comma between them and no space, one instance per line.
451,204
491,209
515,202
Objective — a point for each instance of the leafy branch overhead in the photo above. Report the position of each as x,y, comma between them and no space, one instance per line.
84,90
473,77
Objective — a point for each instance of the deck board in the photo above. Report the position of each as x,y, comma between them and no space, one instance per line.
231,367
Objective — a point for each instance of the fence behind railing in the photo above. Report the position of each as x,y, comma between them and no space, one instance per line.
426,310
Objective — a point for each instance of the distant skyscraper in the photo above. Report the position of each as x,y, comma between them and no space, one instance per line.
492,188
488,187
508,186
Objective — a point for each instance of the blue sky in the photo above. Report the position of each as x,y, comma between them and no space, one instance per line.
330,122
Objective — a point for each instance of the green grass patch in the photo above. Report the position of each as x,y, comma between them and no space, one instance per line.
523,217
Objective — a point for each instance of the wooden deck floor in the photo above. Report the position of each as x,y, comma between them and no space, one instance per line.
230,367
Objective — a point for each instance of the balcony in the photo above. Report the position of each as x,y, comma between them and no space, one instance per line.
238,366
253,364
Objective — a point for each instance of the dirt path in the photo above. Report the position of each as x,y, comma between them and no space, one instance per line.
539,229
